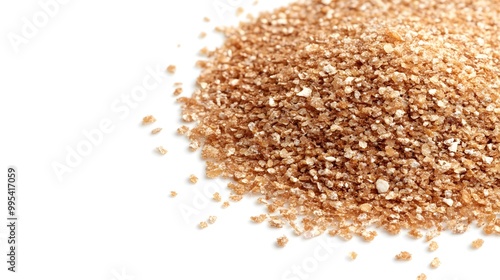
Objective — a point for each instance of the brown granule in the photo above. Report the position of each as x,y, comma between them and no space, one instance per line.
203,225
353,255
368,235
212,219
239,11
193,179
202,35
435,263
433,246
156,130
177,84
235,197
183,130
415,233
350,114
173,194
403,256
431,234
276,222
204,51
178,91
478,243
217,197
225,204
171,69
422,277
206,19
282,241
259,219
148,120
161,150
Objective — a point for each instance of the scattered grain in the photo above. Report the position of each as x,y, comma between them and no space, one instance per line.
171,69
282,241
156,130
173,194
433,246
148,120
422,277
403,256
478,243
259,219
203,225
212,219
178,91
162,150
435,263
353,255
239,11
193,179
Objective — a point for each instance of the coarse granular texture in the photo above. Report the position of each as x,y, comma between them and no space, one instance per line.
225,204
433,246
259,219
403,256
435,263
422,277
349,114
478,243
282,241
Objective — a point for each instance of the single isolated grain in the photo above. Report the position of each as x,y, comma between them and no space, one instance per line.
282,241
212,219
178,91
353,255
348,114
162,150
156,130
403,256
148,120
422,277
171,69
203,225
435,263
478,243
433,246
193,179
217,197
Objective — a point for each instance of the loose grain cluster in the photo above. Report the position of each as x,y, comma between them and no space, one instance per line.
346,114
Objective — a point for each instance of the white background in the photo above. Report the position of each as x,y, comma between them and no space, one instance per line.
111,217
